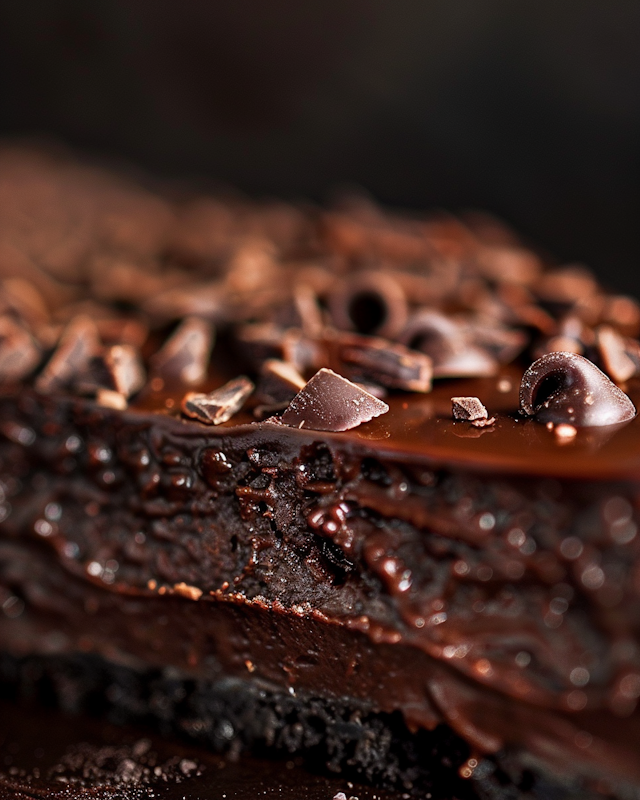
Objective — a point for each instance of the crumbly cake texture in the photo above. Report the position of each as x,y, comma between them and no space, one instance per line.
351,484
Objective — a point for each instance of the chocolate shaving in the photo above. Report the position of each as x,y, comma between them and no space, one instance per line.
125,369
279,381
19,353
184,357
615,360
78,345
330,402
368,359
470,409
220,405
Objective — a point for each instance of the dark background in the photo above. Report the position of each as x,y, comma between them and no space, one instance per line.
528,109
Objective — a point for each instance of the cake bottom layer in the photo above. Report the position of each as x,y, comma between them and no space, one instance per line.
232,715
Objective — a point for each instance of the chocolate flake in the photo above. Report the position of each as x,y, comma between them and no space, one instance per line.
184,357
218,406
279,382
330,402
565,388
125,368
611,346
78,345
471,410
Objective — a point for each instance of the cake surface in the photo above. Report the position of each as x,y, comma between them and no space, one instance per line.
446,606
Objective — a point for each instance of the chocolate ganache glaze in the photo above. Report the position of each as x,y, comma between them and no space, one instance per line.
325,528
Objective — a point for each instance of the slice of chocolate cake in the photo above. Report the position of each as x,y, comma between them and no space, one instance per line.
350,485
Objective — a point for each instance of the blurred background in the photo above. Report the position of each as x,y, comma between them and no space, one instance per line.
530,110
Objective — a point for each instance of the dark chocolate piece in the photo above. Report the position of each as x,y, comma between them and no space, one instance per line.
330,402
453,356
372,303
369,359
184,357
615,360
19,353
471,410
77,346
125,368
218,406
280,382
568,388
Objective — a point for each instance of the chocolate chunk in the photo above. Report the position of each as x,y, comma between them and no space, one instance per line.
220,405
78,345
368,359
565,388
444,341
330,402
279,382
369,303
125,368
19,353
471,410
184,357
468,408
611,346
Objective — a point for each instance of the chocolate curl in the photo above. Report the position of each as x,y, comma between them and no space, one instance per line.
78,344
443,340
184,357
369,303
565,388
329,402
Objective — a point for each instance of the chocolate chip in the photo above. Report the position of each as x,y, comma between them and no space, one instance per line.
279,381
78,345
220,405
184,357
565,388
330,402
369,303
444,341
367,359
611,346
19,353
125,369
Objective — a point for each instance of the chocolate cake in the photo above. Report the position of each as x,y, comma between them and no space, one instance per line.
356,486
